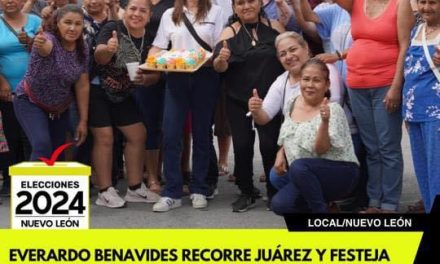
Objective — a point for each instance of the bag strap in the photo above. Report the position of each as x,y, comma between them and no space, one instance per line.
428,56
9,26
193,32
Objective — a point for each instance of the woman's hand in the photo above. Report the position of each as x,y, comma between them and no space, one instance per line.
40,39
327,57
47,11
392,99
280,165
255,102
146,78
81,133
324,110
23,38
5,90
139,79
113,43
224,53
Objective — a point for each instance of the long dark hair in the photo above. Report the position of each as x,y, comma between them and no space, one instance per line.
202,10
323,67
52,27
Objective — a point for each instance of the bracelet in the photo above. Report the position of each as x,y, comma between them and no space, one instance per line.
339,55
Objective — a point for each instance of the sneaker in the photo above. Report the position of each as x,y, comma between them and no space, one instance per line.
244,203
213,194
141,195
110,198
198,200
166,203
256,194
269,204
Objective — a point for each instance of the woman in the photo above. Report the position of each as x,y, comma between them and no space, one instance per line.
247,56
150,102
196,92
421,101
293,52
316,141
112,104
44,95
96,14
14,59
330,25
381,28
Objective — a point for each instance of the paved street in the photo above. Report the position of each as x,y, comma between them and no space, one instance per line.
217,215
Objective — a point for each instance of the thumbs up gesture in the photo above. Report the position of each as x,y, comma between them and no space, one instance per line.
47,11
255,102
224,53
113,43
23,37
324,110
40,39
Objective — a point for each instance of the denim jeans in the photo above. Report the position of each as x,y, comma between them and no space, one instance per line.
381,133
196,92
278,181
44,134
312,183
425,147
19,147
150,101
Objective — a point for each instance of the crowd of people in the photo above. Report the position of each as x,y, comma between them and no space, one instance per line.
325,85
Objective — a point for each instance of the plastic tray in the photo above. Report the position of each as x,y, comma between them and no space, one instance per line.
207,57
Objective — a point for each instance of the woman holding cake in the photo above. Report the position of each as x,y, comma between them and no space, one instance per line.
196,92
248,57
112,103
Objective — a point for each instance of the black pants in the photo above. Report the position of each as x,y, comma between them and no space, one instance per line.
243,138
19,147
212,177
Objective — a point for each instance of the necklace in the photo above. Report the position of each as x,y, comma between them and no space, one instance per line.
430,30
142,41
253,40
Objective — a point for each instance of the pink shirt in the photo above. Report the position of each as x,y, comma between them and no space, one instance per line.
371,61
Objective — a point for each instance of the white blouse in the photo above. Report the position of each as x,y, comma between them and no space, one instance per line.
281,91
208,29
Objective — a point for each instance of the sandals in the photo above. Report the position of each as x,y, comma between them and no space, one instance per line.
416,208
223,170
154,186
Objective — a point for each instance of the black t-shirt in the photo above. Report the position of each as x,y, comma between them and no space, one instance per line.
251,67
106,33
156,14
114,75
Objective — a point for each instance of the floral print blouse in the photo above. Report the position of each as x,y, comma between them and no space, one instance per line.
298,139
421,91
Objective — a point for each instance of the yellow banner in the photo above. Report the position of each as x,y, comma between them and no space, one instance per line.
203,245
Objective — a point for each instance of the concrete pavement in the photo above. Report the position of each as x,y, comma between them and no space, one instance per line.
218,214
